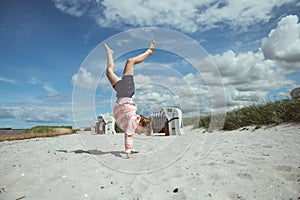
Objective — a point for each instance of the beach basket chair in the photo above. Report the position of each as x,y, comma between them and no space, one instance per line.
168,121
295,93
105,125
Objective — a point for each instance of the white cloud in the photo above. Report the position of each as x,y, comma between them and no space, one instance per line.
55,108
249,77
46,86
142,79
188,15
152,97
193,96
7,80
75,8
283,42
170,89
84,79
37,113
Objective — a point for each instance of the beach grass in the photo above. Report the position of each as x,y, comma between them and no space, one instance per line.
269,113
38,132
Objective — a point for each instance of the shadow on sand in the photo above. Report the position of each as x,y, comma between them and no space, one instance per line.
95,152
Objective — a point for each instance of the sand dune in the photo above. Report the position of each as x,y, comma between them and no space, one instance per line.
260,164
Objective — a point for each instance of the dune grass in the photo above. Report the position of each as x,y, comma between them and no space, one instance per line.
39,131
278,112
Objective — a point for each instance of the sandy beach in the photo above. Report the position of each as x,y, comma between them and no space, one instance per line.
240,164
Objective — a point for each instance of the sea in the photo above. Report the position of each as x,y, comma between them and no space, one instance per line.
12,131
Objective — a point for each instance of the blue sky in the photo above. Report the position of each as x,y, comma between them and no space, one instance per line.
45,44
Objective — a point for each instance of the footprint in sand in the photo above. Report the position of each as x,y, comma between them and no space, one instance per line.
289,173
269,146
283,168
257,159
230,161
234,195
245,176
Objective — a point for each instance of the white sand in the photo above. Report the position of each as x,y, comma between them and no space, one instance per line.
260,164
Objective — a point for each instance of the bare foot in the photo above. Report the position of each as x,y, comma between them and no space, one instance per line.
108,50
129,155
152,47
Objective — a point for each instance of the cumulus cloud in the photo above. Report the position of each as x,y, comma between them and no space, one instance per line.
84,79
169,89
188,16
248,77
55,108
283,42
36,113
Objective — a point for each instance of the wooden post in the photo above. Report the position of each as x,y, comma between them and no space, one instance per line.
97,126
167,133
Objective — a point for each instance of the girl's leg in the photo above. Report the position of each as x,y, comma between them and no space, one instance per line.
112,77
129,67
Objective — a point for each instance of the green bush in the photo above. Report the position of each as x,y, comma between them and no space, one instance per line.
118,129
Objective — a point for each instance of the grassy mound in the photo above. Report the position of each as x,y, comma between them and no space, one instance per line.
39,131
277,112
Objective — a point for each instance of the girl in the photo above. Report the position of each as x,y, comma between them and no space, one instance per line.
125,109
